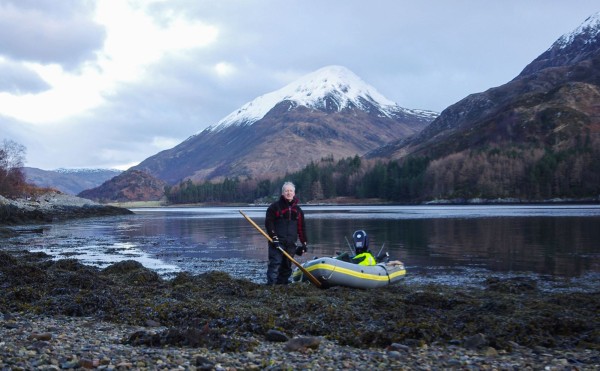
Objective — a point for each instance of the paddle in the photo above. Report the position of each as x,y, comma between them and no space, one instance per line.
311,278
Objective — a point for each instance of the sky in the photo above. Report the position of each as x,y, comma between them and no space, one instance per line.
109,83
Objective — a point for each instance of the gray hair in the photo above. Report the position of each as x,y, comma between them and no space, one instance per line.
288,184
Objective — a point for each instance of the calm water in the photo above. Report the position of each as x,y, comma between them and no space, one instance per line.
450,243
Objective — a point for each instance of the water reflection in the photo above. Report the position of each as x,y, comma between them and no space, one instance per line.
550,240
554,240
548,245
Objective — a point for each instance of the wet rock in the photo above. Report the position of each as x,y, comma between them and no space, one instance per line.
70,364
516,285
413,343
203,363
394,354
490,352
7,232
87,363
398,347
302,343
45,336
144,338
190,336
152,323
475,342
277,336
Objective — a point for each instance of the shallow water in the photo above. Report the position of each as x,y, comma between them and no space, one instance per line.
446,244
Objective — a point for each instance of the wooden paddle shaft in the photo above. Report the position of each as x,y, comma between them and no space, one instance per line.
311,278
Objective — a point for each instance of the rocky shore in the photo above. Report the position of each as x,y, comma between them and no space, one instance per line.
60,314
52,206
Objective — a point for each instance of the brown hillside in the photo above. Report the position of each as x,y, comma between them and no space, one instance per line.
132,185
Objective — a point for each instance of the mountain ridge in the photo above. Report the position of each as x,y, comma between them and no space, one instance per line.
285,130
552,100
130,185
569,48
69,181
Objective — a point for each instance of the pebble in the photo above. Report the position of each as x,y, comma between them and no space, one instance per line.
30,341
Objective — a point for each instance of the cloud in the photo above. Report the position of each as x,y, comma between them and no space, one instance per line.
108,83
132,41
17,79
49,32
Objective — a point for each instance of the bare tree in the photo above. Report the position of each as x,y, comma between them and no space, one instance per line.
12,177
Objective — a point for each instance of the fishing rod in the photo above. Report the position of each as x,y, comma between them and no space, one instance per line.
350,246
380,249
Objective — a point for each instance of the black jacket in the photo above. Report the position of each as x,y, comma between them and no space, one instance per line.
286,221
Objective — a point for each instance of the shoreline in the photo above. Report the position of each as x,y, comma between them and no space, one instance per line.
80,342
471,202
62,313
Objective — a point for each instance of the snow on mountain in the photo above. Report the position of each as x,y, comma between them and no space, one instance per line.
333,82
571,48
590,28
85,171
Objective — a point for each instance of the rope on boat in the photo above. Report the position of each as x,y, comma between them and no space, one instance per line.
386,273
332,272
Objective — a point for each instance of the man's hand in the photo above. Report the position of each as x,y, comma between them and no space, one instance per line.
301,249
275,242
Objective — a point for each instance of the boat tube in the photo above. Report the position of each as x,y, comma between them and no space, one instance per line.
335,272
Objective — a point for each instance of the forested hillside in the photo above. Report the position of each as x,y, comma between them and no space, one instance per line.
528,174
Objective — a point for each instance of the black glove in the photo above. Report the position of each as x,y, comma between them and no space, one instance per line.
275,242
301,249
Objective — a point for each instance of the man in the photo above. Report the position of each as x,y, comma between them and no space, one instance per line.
284,223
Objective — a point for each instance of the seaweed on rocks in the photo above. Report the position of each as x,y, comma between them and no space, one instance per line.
131,272
216,311
51,207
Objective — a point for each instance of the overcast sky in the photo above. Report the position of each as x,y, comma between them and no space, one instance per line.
108,83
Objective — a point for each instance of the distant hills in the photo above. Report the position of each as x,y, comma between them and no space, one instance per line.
69,181
131,185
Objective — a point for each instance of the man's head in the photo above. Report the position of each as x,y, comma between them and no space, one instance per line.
288,191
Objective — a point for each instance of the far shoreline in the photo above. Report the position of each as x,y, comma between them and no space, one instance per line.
347,201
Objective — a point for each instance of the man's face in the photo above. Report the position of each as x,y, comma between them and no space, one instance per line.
288,193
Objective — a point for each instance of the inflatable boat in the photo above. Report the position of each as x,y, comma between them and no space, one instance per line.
334,272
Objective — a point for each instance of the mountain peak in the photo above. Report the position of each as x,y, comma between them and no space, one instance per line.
571,48
589,30
328,88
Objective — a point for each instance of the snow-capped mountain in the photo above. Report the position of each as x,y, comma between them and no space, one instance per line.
570,48
552,103
330,112
331,89
588,31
